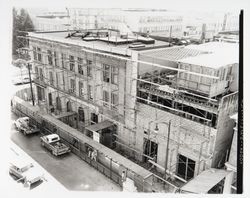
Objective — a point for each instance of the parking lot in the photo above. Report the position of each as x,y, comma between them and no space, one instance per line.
69,170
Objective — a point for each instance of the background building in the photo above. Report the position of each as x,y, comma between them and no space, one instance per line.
154,22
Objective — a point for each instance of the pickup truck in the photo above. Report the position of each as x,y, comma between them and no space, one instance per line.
53,143
25,172
23,125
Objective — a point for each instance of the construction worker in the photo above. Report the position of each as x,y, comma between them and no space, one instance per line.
124,176
89,152
94,155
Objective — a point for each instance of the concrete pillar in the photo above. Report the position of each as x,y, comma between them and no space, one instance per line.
228,183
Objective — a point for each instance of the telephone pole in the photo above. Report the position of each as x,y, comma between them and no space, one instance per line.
31,89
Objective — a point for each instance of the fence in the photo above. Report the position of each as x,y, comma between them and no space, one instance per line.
103,163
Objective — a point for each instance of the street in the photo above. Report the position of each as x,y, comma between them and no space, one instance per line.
69,170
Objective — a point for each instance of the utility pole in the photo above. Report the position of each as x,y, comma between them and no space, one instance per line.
170,35
31,90
166,161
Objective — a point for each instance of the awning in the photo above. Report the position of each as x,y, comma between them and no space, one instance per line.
205,181
99,126
65,114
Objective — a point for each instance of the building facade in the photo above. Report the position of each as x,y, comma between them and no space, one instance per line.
166,107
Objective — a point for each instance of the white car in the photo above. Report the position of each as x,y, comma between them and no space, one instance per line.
24,172
23,125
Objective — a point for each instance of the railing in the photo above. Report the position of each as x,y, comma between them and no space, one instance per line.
179,97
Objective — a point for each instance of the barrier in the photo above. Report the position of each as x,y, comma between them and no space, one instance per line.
107,161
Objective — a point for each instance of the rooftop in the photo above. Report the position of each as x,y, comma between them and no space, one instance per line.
219,54
212,54
173,53
113,44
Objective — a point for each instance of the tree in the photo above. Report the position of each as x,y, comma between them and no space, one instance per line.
21,24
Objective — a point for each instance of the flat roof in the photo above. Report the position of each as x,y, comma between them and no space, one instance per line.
60,36
205,181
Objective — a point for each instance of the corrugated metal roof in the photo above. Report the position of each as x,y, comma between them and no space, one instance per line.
205,181
214,60
174,53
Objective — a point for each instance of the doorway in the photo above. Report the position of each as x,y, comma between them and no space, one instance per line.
186,167
150,149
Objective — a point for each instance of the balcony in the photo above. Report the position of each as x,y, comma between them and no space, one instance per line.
40,82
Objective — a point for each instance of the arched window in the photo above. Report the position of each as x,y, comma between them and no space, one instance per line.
81,114
58,104
69,108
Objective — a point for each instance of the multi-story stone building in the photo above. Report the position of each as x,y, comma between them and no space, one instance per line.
118,91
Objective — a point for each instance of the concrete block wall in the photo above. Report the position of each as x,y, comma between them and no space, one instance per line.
187,132
228,106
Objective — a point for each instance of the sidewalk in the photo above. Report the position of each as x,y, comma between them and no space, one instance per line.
49,184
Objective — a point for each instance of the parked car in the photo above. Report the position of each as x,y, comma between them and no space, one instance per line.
25,172
23,125
53,143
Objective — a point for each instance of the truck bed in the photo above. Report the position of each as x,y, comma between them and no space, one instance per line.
57,148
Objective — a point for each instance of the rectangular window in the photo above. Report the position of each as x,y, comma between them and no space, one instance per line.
114,100
34,53
114,75
63,81
49,54
36,72
51,79
41,74
106,73
63,57
90,92
89,68
55,59
105,98
80,65
72,86
80,89
71,63
94,118
57,81
39,54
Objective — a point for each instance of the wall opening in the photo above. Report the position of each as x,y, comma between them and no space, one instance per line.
150,149
185,167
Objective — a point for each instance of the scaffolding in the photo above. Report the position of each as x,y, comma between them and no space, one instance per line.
144,84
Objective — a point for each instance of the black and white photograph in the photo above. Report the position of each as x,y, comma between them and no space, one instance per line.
124,98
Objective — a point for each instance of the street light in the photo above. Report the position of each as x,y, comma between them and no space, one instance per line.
156,128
